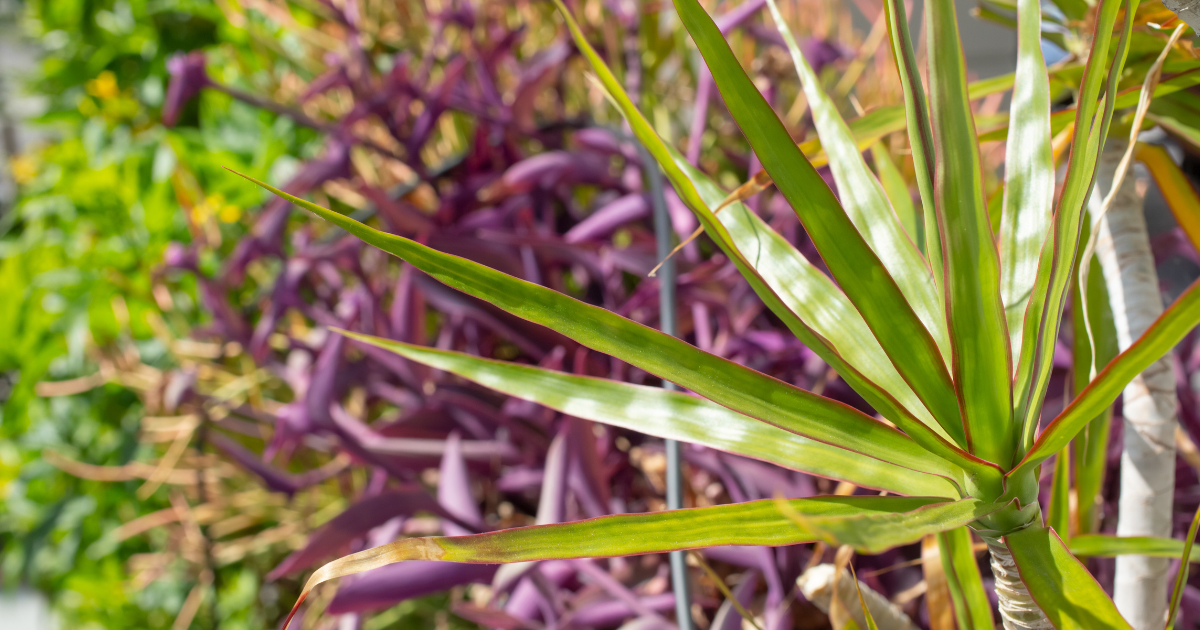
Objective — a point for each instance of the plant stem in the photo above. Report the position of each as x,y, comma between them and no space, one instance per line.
1018,611
1149,400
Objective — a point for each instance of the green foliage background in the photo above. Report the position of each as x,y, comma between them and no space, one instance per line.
96,210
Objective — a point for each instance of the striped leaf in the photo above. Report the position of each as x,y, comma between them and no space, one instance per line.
979,337
870,524
1062,587
671,415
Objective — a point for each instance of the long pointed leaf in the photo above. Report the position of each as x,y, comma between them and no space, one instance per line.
724,382
1042,317
1028,173
867,130
1108,546
1090,446
671,415
911,217
829,324
971,605
979,336
920,134
1169,329
1064,590
868,207
1059,516
871,524
858,270
882,121
1126,98
789,285
1184,567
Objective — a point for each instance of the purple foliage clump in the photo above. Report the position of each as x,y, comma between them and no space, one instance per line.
553,198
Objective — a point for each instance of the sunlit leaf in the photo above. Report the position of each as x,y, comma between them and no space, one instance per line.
871,524
671,415
979,337
1169,329
717,379
1068,595
858,270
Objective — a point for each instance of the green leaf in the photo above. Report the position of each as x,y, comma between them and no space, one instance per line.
724,382
920,135
1108,546
1073,9
789,285
870,524
865,202
1168,330
856,267
1127,98
828,323
911,217
995,210
889,119
1028,172
982,363
862,603
1177,115
671,415
971,605
867,130
1090,446
1042,318
1060,494
1182,576
1062,587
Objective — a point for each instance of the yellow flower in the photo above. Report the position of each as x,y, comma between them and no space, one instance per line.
200,213
103,86
229,213
23,168
215,205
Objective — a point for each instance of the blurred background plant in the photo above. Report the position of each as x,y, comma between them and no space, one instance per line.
183,437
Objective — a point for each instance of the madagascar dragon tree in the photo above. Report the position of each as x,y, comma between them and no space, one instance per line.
954,349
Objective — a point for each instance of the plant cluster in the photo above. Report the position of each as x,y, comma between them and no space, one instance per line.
473,137
953,345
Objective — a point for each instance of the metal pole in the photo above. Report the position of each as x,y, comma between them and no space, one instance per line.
663,232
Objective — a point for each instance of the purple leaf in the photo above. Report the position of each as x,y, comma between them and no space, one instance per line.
490,617
550,169
320,394
355,522
387,586
275,479
605,220
520,479
728,617
188,78
554,484
611,613
526,601
373,443
454,489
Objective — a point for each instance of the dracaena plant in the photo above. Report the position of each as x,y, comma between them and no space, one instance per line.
953,349
495,203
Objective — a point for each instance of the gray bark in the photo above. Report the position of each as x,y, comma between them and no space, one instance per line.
1149,403
1018,611
1187,10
